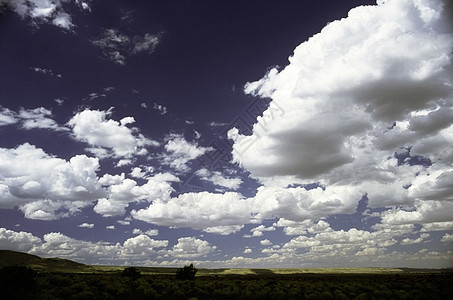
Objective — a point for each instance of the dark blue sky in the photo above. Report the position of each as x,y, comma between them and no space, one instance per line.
158,132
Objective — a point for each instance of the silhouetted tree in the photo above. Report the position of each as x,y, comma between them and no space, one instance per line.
132,274
187,273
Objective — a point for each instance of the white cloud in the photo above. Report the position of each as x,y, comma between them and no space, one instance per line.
93,127
86,225
303,227
352,248
216,213
38,118
46,72
364,92
179,152
437,226
420,239
44,11
151,232
447,238
18,241
121,193
258,231
297,204
333,106
190,247
422,212
147,43
340,244
124,222
7,116
162,109
137,173
248,251
217,178
266,242
142,244
117,46
46,187
56,244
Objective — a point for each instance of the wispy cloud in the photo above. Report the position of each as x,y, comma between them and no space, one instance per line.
45,11
117,46
179,152
28,119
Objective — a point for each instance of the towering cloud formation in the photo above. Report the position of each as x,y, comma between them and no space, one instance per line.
373,84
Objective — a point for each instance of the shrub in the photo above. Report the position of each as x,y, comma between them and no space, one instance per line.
132,273
187,273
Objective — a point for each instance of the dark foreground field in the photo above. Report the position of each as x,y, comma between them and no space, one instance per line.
24,276
22,284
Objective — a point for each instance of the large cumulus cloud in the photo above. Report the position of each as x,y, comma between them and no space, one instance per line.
44,186
355,98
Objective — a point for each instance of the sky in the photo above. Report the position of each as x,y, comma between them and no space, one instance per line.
228,134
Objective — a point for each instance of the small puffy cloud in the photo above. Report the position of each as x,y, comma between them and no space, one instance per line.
223,229
302,227
216,213
217,178
160,108
46,187
420,239
179,152
142,244
110,137
266,242
7,116
108,179
190,247
117,46
151,232
258,231
146,43
124,222
137,173
86,225
45,71
123,191
248,251
447,238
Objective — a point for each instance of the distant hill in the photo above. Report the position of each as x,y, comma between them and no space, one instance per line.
14,258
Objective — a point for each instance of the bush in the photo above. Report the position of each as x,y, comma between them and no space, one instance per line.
132,273
187,273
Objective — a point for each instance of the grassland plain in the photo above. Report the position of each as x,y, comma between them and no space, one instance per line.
30,277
